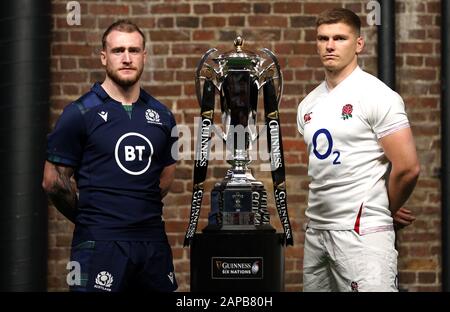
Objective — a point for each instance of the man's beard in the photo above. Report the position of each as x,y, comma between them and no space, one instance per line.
124,83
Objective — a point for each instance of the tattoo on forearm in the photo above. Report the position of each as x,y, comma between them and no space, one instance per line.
63,195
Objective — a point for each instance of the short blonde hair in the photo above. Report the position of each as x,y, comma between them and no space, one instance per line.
124,26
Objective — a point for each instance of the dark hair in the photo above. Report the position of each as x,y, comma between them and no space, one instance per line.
340,15
124,26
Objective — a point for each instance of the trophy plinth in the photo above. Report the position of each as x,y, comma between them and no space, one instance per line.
239,201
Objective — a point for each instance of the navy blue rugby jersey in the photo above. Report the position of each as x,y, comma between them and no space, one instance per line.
117,163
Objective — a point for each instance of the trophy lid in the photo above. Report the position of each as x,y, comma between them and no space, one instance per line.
238,58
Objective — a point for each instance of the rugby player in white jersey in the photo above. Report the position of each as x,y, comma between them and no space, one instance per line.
362,163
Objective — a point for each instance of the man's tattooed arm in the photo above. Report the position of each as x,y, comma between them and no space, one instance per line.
57,185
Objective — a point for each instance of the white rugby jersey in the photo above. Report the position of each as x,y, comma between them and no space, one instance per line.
348,168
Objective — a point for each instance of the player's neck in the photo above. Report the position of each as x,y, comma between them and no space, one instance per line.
334,77
123,95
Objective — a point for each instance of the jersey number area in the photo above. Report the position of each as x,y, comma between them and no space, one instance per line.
335,154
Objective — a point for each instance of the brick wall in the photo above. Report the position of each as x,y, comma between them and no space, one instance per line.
180,31
418,81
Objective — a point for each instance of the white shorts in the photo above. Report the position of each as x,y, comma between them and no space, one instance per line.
347,261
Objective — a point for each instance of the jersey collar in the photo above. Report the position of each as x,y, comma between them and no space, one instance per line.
98,89
101,93
347,80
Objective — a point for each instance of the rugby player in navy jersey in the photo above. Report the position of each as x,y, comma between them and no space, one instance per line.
116,140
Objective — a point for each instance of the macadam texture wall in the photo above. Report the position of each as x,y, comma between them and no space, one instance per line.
180,31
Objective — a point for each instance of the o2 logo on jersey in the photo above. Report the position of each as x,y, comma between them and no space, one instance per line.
329,151
133,153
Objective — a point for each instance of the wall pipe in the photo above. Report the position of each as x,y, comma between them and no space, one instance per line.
24,108
445,137
386,43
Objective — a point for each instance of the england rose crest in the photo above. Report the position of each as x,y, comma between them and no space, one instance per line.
307,117
347,111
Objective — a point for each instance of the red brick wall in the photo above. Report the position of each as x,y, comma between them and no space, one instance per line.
179,32
418,81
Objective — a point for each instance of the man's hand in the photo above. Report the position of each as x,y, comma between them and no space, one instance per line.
403,217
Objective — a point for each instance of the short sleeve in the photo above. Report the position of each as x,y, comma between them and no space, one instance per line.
388,114
171,150
300,119
65,142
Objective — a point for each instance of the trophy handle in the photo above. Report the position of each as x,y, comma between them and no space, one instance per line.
213,76
279,74
198,75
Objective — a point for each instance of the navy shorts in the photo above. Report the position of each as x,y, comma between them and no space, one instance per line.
111,266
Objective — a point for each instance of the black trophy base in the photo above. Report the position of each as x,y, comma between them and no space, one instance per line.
249,261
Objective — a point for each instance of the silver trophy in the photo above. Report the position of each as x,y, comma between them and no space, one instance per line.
239,201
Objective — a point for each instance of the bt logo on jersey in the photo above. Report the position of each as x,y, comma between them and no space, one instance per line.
133,153
130,152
